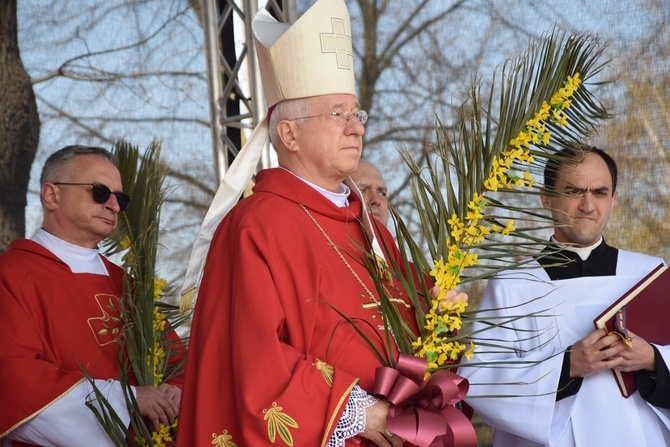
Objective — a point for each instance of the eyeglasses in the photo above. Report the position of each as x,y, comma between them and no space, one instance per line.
101,194
361,116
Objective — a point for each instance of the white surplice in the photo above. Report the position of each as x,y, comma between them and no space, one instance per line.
530,365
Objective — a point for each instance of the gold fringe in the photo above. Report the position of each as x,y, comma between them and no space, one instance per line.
187,299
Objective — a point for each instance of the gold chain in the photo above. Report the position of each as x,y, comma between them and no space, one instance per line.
371,295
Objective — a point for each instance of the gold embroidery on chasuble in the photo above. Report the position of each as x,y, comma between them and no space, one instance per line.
107,327
279,424
383,268
222,440
327,371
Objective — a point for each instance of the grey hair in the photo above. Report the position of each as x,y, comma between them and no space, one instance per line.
59,159
288,109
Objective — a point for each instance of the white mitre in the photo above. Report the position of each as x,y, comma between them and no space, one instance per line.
310,57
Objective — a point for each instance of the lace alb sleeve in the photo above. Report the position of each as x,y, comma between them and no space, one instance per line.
352,421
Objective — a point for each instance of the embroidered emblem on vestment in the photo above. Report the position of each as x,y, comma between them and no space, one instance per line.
222,440
326,370
107,327
279,423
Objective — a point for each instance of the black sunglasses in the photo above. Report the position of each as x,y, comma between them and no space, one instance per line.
101,194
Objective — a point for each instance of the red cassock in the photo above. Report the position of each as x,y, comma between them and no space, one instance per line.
271,361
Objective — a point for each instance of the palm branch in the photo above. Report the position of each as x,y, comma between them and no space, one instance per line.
468,195
150,352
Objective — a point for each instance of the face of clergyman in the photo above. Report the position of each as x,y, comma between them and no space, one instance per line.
585,203
329,146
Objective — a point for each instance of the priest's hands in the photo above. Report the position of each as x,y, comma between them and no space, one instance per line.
595,352
637,357
160,405
598,351
375,426
172,392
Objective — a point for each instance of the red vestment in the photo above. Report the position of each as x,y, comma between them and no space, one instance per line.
54,323
270,358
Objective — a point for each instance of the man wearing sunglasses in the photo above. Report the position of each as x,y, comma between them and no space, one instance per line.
59,311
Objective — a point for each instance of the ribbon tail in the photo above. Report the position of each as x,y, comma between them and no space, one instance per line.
460,432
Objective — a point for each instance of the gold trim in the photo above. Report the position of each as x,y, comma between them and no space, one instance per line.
343,399
18,424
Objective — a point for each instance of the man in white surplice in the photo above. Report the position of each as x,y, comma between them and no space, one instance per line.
562,391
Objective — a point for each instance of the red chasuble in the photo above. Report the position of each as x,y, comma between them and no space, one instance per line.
54,322
270,361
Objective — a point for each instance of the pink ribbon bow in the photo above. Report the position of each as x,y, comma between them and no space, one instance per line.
423,411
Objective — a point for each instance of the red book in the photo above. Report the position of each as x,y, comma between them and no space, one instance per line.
644,311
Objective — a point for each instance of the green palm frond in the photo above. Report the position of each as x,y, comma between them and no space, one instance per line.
150,352
138,231
462,159
509,120
142,178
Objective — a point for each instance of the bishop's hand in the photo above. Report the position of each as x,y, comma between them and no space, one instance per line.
375,426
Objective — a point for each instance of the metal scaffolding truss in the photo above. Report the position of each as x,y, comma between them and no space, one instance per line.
235,89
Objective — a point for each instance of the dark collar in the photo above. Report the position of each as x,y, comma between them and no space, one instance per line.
564,264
